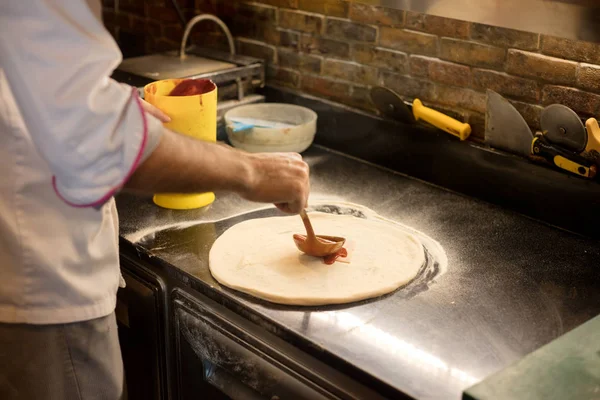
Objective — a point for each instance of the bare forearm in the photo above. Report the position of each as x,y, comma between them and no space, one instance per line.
182,164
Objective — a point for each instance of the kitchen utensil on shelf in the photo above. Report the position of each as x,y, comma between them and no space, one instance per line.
391,105
563,127
562,158
271,127
505,128
317,245
441,121
190,115
593,133
563,139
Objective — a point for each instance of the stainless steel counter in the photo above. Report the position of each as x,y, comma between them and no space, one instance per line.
513,284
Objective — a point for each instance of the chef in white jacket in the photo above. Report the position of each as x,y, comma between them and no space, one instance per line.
70,139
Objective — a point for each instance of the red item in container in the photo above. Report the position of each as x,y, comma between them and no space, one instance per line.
192,87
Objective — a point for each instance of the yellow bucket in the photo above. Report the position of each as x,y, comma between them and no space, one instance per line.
190,115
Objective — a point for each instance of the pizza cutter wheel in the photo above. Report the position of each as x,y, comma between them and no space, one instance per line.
563,127
391,105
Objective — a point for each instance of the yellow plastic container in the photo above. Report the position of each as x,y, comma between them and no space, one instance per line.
190,115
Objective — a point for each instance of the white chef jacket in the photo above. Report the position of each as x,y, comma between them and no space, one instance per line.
69,138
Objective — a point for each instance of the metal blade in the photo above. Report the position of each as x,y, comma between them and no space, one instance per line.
563,127
505,128
390,104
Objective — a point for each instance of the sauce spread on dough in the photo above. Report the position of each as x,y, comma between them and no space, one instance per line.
330,259
192,87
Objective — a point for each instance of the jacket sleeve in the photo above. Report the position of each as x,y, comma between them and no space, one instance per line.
91,130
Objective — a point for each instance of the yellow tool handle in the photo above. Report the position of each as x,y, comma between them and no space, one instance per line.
442,121
593,131
562,158
573,167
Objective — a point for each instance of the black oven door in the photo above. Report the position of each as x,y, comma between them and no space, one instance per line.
140,315
220,355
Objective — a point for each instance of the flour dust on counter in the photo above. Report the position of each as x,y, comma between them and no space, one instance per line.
258,257
145,230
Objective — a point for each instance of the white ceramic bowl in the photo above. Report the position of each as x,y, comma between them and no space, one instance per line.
296,136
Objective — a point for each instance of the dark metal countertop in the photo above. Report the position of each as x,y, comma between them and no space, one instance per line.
513,284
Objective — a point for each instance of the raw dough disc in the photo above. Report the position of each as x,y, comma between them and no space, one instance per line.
259,257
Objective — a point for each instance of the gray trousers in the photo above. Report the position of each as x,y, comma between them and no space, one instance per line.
78,361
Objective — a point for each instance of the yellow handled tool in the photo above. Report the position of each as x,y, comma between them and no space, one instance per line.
442,121
593,133
563,159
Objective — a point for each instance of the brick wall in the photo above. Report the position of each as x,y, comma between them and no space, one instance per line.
338,49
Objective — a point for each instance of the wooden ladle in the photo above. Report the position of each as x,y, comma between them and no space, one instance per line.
317,245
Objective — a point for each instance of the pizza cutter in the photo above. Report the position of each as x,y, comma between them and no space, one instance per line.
391,105
564,159
563,127
506,129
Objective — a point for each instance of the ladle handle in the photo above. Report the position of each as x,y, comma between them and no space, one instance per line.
309,229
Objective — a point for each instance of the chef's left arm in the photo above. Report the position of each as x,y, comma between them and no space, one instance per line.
92,131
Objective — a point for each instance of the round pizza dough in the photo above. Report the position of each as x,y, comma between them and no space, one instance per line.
259,257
